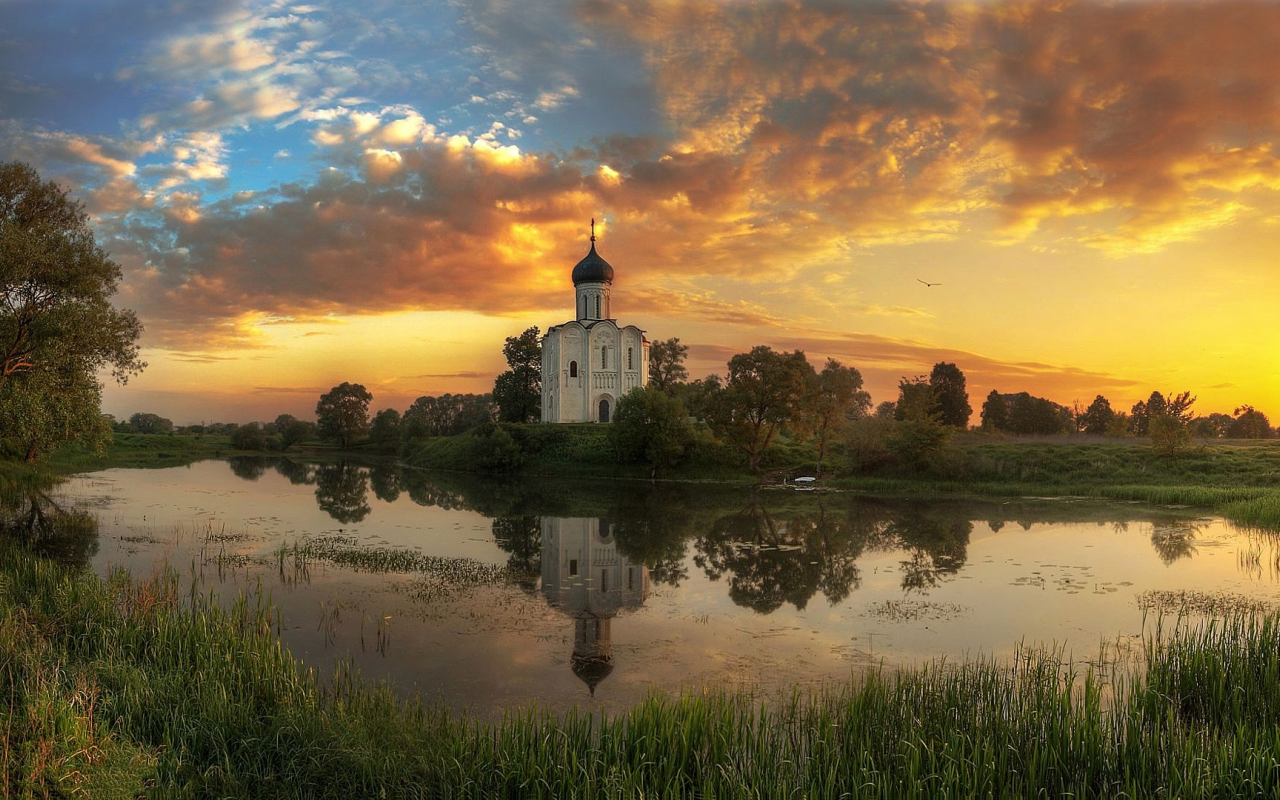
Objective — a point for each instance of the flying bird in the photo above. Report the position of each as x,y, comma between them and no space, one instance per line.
926,283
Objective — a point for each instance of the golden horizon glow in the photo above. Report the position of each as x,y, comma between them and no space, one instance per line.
1093,187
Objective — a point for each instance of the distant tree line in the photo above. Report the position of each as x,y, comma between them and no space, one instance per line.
765,397
1024,414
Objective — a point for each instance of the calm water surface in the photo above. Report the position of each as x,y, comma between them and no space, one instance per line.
613,589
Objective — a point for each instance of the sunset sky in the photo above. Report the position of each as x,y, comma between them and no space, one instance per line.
301,194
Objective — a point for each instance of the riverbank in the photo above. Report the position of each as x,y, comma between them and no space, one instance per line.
1240,480
114,687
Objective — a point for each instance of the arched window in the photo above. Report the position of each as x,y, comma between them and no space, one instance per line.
597,306
573,369
604,357
630,360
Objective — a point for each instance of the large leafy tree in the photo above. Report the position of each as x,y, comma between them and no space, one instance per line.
1027,415
950,398
995,412
292,430
834,395
1169,423
58,329
384,431
342,415
143,422
1098,417
919,431
39,414
666,364
1141,414
1249,423
764,390
518,391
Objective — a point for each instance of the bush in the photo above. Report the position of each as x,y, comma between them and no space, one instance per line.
865,444
495,450
1169,435
650,427
249,437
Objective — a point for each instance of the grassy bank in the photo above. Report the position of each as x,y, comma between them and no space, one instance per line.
1240,482
111,687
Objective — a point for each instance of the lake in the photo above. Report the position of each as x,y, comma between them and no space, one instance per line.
489,594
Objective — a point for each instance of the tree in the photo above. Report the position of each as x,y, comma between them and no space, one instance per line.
249,437
950,400
834,395
1214,426
1141,414
1031,416
447,415
1249,423
58,330
995,412
39,415
1169,425
652,427
763,392
150,423
343,414
292,430
1098,417
385,430
919,431
518,391
666,364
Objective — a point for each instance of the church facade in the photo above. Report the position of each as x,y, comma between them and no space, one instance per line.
591,361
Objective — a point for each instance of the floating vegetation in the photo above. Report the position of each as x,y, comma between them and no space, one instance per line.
438,574
223,537
139,539
1210,604
912,610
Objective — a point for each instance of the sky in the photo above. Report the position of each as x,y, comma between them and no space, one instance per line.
380,192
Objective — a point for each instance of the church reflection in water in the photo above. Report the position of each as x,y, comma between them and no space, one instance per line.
585,576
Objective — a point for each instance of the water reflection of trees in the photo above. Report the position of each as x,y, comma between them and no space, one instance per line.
778,548
771,559
296,473
521,538
1175,540
250,468
384,479
652,528
936,544
31,517
342,490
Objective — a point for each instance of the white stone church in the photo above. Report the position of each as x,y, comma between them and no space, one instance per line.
591,361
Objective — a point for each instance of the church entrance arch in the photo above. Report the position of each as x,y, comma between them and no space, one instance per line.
604,409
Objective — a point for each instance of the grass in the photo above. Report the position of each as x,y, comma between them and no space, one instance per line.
112,688
140,450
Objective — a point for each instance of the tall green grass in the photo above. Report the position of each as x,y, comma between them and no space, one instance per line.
111,688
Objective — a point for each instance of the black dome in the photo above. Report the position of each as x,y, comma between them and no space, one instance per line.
592,269
592,669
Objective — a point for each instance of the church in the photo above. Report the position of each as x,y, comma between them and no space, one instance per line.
591,361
